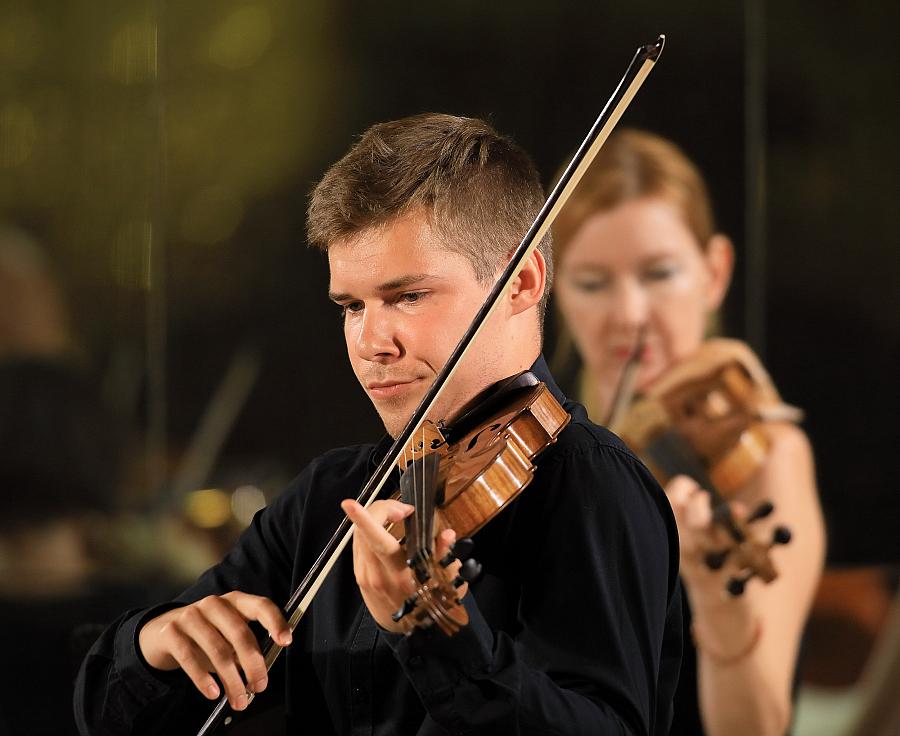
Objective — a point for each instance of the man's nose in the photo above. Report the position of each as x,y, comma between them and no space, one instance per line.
377,338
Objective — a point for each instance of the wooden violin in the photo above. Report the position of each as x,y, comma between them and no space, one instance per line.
461,477
705,419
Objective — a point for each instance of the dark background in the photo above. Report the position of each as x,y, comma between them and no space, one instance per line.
162,153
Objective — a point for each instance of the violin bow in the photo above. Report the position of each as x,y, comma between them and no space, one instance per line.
627,381
640,67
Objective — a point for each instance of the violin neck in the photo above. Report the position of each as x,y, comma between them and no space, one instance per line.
420,488
673,455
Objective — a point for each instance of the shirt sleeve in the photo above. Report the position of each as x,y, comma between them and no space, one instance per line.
599,593
117,692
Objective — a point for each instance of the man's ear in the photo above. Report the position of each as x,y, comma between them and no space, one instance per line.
528,287
719,257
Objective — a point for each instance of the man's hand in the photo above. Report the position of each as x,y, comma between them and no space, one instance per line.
213,635
379,561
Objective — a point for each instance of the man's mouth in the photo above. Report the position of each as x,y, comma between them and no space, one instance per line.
390,389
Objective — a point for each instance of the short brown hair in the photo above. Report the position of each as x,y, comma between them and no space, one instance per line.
634,164
479,188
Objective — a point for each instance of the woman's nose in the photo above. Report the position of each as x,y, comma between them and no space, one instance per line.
629,307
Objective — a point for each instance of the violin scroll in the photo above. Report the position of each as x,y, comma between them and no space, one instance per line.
435,600
748,554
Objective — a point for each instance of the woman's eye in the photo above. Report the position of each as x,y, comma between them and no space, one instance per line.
659,273
591,285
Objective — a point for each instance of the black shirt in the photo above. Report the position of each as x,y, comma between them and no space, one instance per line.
574,623
686,719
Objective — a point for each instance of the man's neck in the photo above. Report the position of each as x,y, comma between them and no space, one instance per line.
483,395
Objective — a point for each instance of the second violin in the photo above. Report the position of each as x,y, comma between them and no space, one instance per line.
705,419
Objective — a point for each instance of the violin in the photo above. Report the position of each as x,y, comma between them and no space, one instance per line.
461,478
705,419
419,538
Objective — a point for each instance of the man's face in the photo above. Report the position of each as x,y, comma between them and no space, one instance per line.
406,301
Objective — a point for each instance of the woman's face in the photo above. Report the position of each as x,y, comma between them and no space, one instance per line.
638,269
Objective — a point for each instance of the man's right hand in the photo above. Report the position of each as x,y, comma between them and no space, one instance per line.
213,636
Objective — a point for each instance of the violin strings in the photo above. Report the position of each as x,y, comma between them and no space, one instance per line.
420,500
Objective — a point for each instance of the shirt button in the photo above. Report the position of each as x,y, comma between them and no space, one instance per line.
416,661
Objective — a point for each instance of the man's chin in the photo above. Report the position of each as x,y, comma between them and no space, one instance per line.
395,419
395,414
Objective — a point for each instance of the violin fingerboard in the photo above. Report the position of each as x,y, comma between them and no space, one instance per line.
419,487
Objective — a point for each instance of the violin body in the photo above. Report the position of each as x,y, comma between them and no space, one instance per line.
491,464
717,400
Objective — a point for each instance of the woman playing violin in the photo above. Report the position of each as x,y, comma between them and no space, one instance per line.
574,625
641,273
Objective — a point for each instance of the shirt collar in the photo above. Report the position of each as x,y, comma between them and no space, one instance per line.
542,371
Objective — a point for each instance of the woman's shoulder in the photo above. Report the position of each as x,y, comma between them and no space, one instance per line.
787,476
787,440
789,448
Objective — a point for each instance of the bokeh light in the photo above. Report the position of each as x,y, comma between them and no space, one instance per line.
208,508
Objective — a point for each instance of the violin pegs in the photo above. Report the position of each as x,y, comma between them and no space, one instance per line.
781,535
736,586
462,548
470,570
761,512
715,560
459,550
408,605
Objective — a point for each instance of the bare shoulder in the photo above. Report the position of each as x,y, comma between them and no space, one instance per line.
788,479
788,473
789,444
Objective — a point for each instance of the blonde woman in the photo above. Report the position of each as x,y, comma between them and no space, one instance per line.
639,262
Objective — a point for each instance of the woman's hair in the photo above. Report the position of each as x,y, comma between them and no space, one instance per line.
631,165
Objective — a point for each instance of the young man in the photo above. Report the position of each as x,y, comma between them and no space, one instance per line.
573,625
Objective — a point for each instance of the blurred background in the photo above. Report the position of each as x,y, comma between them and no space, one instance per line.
169,359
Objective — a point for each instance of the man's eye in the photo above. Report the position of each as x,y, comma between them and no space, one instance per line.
411,297
351,308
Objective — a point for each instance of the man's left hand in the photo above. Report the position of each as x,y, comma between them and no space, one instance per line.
379,561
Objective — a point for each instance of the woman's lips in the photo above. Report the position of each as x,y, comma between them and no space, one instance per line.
626,353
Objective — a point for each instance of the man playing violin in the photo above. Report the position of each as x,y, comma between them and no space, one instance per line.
574,625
